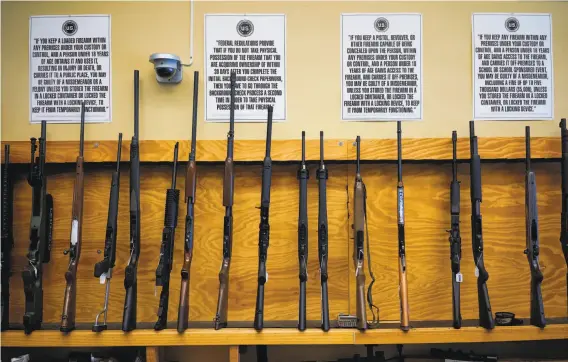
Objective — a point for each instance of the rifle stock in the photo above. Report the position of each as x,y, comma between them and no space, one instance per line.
74,251
7,236
103,269
485,315
41,228
130,273
264,226
303,176
228,193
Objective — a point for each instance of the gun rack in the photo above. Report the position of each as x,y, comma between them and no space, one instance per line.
426,149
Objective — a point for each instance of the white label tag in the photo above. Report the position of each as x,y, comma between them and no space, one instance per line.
103,278
74,232
266,276
476,272
459,277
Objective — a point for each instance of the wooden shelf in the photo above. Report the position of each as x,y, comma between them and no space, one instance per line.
290,150
281,336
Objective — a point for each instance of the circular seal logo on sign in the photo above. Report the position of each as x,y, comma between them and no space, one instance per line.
512,24
245,28
381,24
70,27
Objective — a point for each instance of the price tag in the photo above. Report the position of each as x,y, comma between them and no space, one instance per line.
476,272
459,277
74,232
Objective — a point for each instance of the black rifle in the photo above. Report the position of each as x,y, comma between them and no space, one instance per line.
103,269
74,251
322,175
264,226
403,285
533,242
455,238
167,249
7,236
485,315
130,273
190,186
228,195
41,231
564,186
359,201
303,176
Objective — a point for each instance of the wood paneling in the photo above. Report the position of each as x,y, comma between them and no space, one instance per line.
280,336
427,218
290,150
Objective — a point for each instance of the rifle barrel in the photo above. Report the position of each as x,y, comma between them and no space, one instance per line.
119,152
82,137
174,171
321,147
399,145
194,117
358,153
136,102
303,147
454,158
528,148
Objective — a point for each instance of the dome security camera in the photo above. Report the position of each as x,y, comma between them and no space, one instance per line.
167,67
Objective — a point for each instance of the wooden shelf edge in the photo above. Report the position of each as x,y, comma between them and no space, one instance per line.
495,148
280,336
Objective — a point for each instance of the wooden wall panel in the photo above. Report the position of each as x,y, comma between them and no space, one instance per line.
427,218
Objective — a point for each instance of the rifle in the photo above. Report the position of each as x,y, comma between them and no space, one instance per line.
485,315
264,227
303,176
564,212
322,175
130,277
74,251
190,186
455,238
533,242
402,286
167,249
103,269
41,231
228,193
359,247
7,236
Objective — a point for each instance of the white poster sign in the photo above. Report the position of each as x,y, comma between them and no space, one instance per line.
512,67
381,67
254,47
69,64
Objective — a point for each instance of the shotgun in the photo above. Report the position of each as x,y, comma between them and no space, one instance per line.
7,236
130,273
359,247
485,315
103,269
190,186
228,194
264,226
41,232
167,248
403,285
303,176
455,238
533,242
322,175
74,251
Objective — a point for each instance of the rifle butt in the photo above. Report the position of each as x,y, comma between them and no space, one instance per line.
485,315
69,303
325,325
183,311
302,310
360,305
403,291
456,303
129,314
537,306
259,311
223,299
